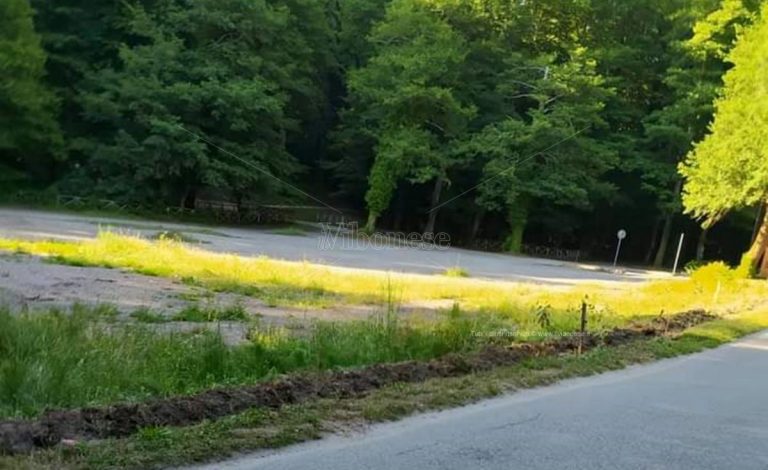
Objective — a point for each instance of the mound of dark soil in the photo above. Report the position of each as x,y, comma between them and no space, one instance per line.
124,419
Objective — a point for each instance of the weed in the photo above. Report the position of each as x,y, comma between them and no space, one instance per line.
713,276
196,295
147,315
60,360
196,313
174,236
456,271
543,316
305,285
262,428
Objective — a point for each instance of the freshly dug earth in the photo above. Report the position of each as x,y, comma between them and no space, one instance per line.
124,419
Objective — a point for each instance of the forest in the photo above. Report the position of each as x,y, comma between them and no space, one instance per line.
512,123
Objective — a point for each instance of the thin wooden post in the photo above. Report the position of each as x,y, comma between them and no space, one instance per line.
583,326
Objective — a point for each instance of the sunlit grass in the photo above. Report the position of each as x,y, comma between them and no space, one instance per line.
312,285
83,357
201,314
456,271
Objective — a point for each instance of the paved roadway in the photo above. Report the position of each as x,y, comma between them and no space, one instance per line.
17,223
707,411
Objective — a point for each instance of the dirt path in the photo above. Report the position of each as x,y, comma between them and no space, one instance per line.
28,282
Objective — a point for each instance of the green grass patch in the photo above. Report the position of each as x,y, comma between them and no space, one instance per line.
63,360
275,294
456,271
302,284
260,428
196,313
147,315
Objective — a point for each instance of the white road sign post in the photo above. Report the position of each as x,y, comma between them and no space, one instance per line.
621,235
677,256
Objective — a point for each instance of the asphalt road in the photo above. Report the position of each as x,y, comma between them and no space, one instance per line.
707,411
315,247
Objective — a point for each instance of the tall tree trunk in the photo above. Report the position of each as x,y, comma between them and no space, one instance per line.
763,271
370,226
665,234
478,219
761,209
432,216
188,198
664,242
701,246
756,259
518,219
654,237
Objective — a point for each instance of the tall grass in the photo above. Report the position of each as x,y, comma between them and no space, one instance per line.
311,285
55,359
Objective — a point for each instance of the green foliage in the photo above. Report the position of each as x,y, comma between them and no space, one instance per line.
146,315
714,276
729,168
456,271
405,95
29,133
55,359
543,315
192,77
202,314
549,118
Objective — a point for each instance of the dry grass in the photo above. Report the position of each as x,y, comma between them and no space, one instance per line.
312,285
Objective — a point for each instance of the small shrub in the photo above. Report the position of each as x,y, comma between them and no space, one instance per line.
693,265
456,271
543,316
712,275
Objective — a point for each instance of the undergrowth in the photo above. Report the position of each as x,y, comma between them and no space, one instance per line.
59,359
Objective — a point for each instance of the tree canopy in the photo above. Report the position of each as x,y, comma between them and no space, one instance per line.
504,123
29,130
728,169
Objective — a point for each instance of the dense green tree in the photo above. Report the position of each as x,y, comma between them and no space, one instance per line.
702,32
353,23
80,36
406,93
29,133
728,169
553,119
540,103
550,153
205,99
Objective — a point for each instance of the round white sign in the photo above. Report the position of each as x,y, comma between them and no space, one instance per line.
622,234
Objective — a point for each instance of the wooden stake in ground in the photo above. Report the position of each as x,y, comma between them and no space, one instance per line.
583,326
